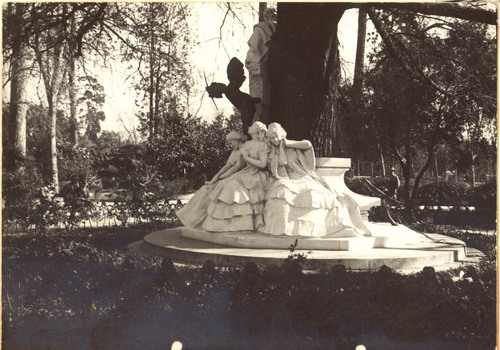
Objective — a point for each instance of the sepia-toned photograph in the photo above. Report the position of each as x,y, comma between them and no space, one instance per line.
249,175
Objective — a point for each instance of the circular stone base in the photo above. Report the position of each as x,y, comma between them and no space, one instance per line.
430,250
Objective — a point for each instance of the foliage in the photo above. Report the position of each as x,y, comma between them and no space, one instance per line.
447,193
148,175
484,199
426,219
86,279
416,99
484,243
484,196
90,105
156,44
190,146
22,200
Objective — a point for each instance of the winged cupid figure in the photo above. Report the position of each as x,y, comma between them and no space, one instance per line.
243,102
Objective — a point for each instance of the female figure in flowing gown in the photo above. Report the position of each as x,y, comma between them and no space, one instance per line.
300,202
195,211
237,202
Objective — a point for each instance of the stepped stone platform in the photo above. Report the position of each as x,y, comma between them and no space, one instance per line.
395,246
384,235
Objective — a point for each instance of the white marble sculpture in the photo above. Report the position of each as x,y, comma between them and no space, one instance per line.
194,213
269,185
298,201
235,200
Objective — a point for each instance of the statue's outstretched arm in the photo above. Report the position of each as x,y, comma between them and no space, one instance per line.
217,176
235,168
304,144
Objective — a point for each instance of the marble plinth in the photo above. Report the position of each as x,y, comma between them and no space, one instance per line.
256,240
394,246
383,236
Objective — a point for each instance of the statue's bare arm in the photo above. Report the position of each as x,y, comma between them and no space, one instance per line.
235,168
304,144
222,171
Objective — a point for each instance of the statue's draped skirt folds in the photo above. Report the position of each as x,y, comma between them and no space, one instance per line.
302,204
237,203
294,202
194,212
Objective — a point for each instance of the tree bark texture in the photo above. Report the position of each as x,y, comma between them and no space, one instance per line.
18,94
360,56
72,85
304,73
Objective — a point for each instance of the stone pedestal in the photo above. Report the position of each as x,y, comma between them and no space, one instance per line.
333,170
394,246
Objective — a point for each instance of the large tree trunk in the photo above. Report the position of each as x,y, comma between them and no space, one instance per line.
18,96
304,72
72,85
360,56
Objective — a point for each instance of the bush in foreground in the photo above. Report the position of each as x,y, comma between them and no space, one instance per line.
86,279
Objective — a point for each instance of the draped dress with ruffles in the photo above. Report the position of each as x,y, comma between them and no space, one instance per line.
194,213
300,203
237,202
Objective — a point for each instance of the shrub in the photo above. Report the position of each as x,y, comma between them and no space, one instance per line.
24,203
90,274
484,196
445,193
176,187
199,181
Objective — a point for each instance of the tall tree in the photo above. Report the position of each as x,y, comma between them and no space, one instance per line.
304,66
56,40
14,18
155,38
50,49
419,99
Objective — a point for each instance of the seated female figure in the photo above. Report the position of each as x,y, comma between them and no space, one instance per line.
236,202
298,201
195,211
